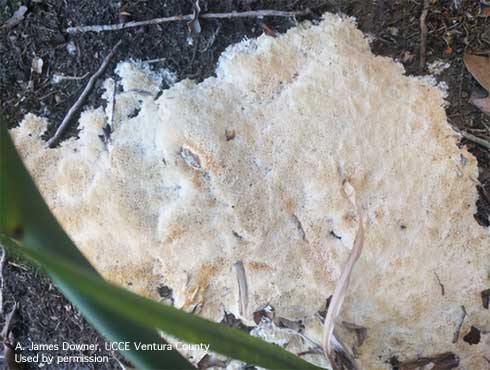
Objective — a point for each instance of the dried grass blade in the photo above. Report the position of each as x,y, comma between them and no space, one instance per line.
343,282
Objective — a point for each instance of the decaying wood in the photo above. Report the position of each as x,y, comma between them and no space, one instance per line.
443,361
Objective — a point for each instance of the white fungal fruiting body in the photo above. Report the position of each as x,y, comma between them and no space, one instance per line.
174,199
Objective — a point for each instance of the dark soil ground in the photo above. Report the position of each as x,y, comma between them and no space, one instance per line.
454,26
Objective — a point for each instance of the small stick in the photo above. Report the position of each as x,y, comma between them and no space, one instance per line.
423,35
187,17
113,110
460,325
476,139
58,78
242,287
78,104
156,60
343,282
17,266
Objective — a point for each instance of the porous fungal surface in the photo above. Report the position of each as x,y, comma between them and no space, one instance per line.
240,177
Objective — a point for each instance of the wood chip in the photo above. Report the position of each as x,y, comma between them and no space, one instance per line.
483,104
16,18
485,298
37,65
473,336
443,361
209,361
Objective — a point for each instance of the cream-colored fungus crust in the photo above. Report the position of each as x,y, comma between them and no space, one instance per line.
248,166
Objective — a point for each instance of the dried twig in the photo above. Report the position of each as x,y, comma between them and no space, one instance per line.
476,139
423,35
343,283
156,60
10,320
23,268
460,325
193,24
58,78
443,289
443,361
187,17
113,108
81,99
242,287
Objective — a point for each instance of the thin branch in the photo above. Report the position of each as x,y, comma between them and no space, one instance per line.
58,78
423,35
476,139
187,17
78,104
343,282
156,60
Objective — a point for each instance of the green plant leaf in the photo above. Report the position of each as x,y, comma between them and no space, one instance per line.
119,314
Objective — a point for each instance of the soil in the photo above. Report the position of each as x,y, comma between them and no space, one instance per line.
454,26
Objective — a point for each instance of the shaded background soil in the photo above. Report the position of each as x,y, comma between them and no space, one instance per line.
454,26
